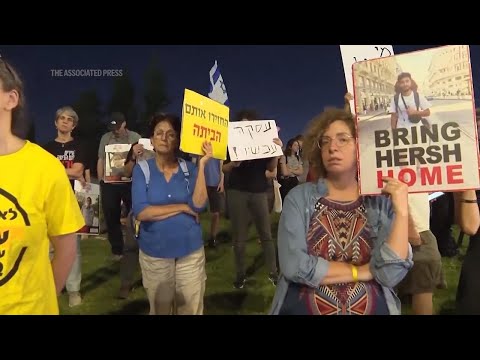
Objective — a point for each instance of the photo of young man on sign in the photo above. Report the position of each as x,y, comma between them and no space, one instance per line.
419,126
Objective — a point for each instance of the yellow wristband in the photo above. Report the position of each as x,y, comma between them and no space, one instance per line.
355,273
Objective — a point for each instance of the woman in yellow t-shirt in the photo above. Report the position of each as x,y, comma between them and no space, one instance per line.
37,206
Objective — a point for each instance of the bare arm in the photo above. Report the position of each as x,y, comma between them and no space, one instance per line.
413,235
163,217
394,120
200,195
467,214
346,100
160,212
88,177
272,163
271,174
222,176
76,171
341,272
423,113
65,252
398,239
284,171
230,166
221,183
100,169
128,168
346,107
297,171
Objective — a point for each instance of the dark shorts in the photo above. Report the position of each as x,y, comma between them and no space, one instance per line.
215,199
426,274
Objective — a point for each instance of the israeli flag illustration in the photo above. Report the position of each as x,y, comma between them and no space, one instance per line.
217,92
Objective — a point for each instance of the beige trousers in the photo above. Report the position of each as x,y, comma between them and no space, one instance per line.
174,286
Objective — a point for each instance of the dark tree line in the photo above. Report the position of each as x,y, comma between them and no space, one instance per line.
93,115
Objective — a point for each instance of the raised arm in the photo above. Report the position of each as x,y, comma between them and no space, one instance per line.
346,106
392,254
200,196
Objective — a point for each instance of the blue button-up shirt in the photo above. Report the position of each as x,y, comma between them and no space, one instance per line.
178,235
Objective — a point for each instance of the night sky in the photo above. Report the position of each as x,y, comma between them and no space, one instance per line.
287,83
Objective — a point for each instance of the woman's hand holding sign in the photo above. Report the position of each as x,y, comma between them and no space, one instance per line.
207,151
398,192
278,142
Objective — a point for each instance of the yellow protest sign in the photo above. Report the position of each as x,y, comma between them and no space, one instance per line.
204,119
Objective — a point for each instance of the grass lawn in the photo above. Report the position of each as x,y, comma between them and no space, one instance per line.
101,282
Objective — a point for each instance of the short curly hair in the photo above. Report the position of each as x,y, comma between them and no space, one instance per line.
315,131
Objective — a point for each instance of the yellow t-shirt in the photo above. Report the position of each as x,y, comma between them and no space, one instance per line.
36,202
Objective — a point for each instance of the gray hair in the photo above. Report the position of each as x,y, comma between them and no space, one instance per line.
68,110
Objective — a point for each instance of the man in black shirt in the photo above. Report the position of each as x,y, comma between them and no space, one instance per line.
72,155
247,199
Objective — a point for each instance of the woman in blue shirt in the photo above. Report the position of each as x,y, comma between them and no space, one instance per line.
167,195
340,253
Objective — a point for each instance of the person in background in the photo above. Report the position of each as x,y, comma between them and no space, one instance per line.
215,187
271,175
215,190
303,177
88,212
467,216
426,274
113,194
247,199
340,253
291,167
71,153
172,256
442,219
41,208
130,261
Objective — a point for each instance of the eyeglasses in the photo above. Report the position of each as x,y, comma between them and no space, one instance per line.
340,140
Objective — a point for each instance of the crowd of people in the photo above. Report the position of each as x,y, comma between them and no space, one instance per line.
337,253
